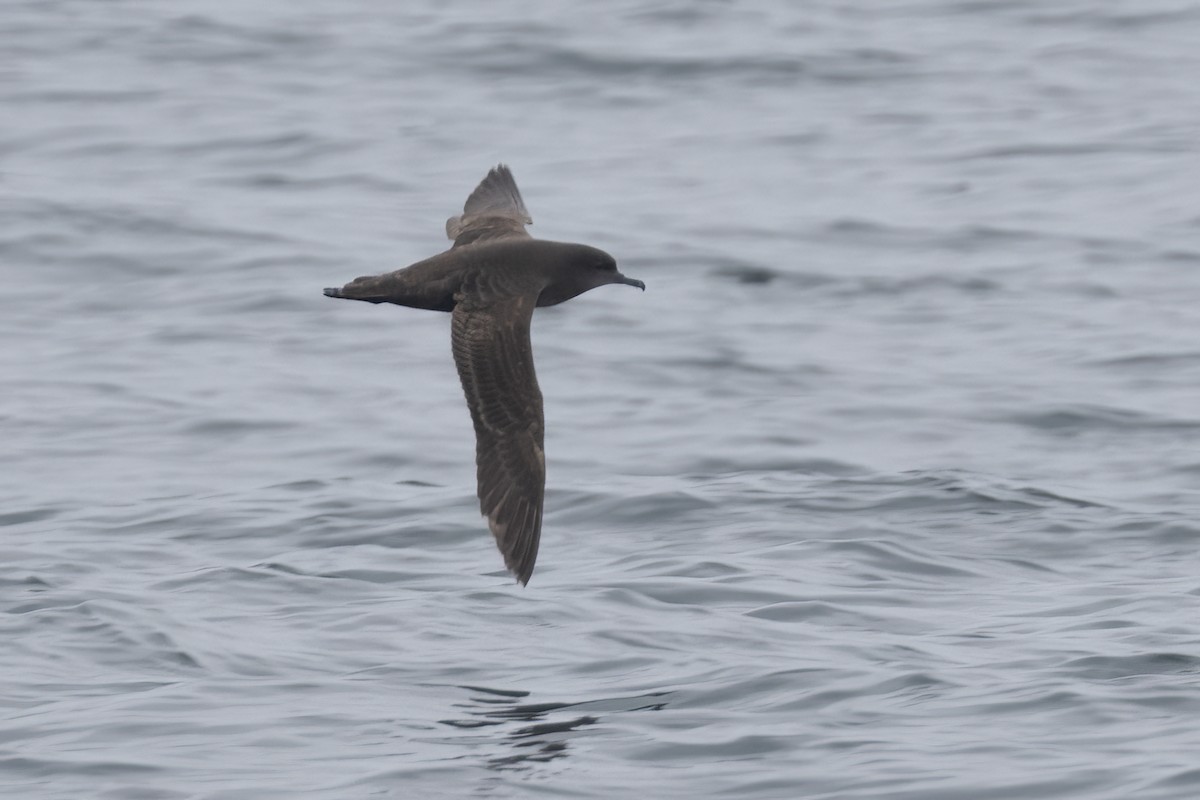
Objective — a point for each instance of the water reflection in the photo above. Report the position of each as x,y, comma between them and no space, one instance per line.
546,737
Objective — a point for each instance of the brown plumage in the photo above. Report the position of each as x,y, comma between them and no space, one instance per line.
492,278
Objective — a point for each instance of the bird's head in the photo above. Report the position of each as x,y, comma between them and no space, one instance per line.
603,268
580,268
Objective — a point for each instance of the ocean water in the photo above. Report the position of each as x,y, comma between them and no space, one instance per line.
887,487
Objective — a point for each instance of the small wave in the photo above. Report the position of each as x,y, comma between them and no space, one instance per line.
1109,668
27,516
1112,19
544,59
1150,362
1077,419
81,97
1054,150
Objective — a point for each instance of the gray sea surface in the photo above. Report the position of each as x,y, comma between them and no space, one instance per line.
887,487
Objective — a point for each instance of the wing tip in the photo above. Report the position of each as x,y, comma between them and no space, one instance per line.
519,558
522,572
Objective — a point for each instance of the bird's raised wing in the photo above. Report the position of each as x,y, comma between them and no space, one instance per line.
495,362
494,210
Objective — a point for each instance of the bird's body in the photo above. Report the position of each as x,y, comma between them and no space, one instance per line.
491,280
496,268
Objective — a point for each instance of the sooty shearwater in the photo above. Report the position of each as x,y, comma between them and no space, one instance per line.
491,279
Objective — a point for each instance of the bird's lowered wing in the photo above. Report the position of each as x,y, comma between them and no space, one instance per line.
495,362
494,210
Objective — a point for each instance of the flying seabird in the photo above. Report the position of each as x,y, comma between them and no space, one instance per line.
491,279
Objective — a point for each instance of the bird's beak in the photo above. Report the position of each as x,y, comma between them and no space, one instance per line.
631,282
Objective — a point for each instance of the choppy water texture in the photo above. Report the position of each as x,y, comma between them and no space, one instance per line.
887,487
